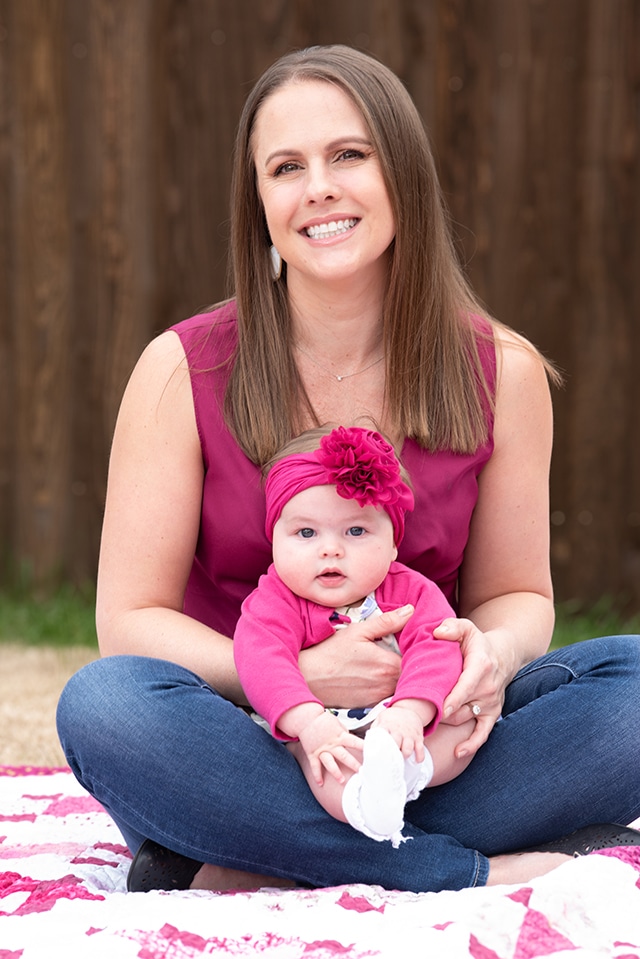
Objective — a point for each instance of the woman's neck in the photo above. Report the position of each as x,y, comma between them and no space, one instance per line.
336,326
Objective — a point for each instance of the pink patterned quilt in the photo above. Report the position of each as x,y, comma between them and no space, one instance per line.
62,891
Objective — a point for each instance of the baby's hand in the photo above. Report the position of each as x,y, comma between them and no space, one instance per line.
327,745
406,729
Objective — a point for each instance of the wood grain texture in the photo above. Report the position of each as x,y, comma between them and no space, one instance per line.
116,131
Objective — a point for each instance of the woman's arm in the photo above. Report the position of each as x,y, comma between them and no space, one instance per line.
151,523
506,595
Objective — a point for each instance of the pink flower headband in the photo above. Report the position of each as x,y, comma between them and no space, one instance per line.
358,462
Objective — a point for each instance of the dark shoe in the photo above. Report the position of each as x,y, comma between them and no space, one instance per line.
155,867
603,835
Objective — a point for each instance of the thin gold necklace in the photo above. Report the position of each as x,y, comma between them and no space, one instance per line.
343,376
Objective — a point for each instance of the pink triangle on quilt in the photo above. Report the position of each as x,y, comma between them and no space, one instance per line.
538,938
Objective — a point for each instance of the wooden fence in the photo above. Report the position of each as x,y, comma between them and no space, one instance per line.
116,127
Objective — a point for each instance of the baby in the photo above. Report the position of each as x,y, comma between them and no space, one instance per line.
336,505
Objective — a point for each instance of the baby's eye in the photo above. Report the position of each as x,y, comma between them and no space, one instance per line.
356,530
306,533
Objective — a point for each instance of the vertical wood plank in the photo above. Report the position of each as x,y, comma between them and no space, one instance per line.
7,352
603,346
113,237
42,287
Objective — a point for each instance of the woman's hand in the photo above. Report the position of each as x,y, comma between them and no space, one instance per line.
348,669
481,685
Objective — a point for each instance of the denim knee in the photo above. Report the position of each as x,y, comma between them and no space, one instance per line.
614,658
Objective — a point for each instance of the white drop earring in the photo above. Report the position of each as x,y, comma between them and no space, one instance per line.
276,264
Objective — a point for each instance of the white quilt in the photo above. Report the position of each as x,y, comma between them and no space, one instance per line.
63,867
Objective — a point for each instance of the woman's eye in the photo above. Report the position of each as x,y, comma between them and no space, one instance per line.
356,531
351,155
288,167
305,533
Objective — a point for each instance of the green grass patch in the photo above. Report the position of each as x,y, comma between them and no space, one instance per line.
64,618
576,621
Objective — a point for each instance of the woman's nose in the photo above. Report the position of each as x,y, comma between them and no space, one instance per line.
321,186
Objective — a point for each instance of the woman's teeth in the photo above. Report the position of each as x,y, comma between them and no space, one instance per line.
334,228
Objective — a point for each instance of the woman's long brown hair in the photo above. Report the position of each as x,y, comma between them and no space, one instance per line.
436,390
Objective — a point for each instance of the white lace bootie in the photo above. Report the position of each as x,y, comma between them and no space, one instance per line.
374,798
417,775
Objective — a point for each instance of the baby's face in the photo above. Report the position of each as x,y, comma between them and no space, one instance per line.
331,550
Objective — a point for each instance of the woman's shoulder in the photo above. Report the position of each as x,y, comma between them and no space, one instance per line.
523,417
510,360
210,337
219,315
518,360
201,342
499,336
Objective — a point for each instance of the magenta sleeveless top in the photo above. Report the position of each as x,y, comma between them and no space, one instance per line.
233,551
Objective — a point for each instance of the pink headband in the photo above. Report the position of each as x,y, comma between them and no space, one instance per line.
358,462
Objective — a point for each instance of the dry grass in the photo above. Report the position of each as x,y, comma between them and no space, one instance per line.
31,680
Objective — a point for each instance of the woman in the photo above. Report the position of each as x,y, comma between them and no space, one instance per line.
349,305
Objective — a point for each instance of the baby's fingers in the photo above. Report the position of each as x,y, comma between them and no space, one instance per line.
333,762
347,759
316,769
409,746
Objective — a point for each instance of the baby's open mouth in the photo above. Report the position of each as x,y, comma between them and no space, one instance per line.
331,576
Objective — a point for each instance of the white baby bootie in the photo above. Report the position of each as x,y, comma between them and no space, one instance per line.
417,776
374,798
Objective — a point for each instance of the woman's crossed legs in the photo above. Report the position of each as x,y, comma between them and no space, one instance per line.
174,762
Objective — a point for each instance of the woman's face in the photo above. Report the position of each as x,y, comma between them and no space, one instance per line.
320,181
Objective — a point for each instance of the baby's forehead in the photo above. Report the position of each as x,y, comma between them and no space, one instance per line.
326,504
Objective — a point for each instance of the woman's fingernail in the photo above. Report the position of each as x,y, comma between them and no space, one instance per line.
405,610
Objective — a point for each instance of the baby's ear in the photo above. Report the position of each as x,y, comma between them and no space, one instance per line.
395,552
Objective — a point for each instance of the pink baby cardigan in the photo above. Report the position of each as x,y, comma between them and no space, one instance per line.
233,551
276,624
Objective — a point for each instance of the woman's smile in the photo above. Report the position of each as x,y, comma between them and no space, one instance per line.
326,231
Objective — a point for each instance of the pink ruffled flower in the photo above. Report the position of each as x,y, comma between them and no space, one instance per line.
362,465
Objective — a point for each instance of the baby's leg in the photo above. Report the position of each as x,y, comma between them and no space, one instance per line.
371,800
442,744
329,795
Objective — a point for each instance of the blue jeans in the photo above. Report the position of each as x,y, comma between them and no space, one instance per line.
173,761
